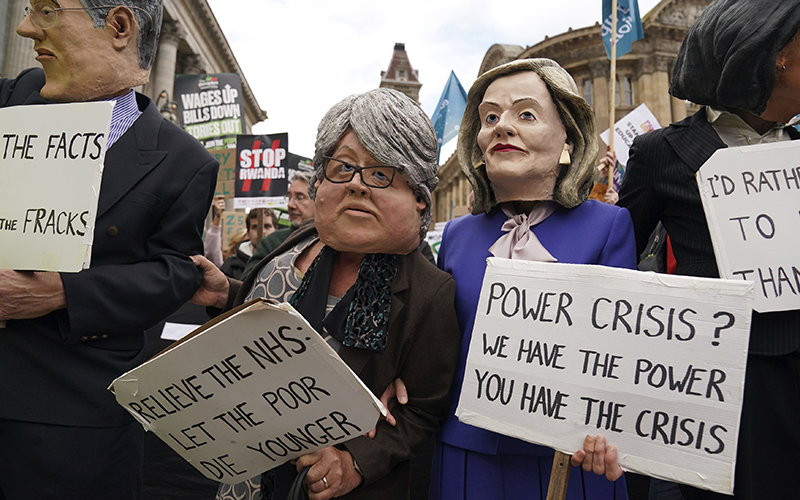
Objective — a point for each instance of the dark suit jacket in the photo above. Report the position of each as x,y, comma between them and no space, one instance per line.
660,184
156,189
422,349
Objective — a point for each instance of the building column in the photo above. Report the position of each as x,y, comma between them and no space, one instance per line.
653,83
191,64
162,77
19,51
601,72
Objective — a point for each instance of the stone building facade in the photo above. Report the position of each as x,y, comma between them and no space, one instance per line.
643,76
191,43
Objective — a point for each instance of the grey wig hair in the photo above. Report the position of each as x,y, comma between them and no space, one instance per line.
148,15
395,131
300,175
728,58
574,182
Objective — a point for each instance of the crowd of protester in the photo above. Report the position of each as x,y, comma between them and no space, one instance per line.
353,261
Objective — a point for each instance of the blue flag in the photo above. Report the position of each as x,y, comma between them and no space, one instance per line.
447,117
629,26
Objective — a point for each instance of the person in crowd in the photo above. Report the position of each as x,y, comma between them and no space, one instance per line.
236,261
239,236
301,208
741,61
375,168
527,144
212,239
68,335
603,189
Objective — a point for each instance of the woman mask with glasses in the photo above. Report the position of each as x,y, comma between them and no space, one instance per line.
357,276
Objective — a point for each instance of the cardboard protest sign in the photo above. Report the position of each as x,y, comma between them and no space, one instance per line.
247,392
654,362
434,238
261,171
298,163
232,222
227,171
638,122
211,107
50,172
751,197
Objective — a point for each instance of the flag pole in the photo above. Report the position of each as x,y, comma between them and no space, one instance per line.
613,104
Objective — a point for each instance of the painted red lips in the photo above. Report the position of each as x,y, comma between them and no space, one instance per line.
505,147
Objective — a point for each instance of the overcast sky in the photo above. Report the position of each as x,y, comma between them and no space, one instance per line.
302,56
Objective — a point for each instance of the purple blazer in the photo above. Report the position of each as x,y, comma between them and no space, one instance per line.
591,233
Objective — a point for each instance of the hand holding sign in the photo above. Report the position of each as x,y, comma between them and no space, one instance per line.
29,295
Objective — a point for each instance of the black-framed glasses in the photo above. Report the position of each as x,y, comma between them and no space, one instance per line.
45,16
379,176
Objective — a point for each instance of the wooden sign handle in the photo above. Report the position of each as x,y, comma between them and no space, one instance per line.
559,477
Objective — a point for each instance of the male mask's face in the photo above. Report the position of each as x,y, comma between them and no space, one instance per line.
81,62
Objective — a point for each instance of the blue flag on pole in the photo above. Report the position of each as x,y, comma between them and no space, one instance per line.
629,26
447,117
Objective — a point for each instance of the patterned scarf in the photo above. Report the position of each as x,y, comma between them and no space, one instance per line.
361,318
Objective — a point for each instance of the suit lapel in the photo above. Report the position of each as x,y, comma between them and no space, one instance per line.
694,140
132,157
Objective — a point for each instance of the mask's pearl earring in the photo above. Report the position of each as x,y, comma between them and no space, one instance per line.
565,159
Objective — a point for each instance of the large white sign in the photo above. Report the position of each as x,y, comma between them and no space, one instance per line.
247,392
51,164
638,122
654,362
751,197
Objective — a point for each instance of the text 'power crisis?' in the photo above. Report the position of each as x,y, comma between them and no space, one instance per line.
653,362
249,393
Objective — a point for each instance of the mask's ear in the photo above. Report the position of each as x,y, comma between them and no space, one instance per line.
123,22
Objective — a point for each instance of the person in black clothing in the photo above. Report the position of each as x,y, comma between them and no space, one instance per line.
741,60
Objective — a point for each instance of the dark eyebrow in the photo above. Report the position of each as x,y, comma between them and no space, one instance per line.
343,147
533,101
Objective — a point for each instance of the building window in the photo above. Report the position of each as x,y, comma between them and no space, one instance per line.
624,89
587,91
401,75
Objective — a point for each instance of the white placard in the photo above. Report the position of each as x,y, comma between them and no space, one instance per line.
251,390
751,197
636,123
51,165
434,238
176,331
260,202
652,361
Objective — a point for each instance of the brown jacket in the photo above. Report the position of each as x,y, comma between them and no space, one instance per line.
422,349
